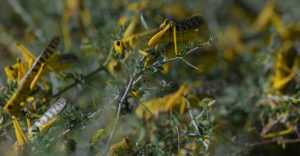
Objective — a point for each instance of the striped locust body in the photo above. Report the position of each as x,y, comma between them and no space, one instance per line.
50,115
185,30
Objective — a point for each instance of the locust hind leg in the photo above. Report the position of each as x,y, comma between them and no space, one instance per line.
29,111
29,116
25,52
175,40
28,121
21,139
157,36
37,77
153,41
147,55
20,70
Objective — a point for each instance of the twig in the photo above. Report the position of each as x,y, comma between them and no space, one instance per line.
284,97
208,143
268,127
178,137
289,140
297,131
130,84
203,111
78,81
137,80
193,120
260,143
101,109
192,117
161,62
273,140
61,135
119,110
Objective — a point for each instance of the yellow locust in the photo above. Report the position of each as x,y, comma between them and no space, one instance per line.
121,148
171,30
56,62
43,123
29,80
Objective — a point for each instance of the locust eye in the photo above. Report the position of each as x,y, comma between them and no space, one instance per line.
11,68
9,107
127,140
118,43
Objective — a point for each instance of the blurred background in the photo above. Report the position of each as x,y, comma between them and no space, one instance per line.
250,70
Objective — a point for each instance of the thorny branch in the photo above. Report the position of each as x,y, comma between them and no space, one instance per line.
203,111
132,82
178,137
273,140
119,109
100,68
189,109
161,62
194,123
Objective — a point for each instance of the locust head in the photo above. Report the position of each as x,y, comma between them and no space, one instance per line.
14,110
119,47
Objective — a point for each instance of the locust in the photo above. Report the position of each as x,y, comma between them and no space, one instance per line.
171,30
42,124
121,148
57,62
28,82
